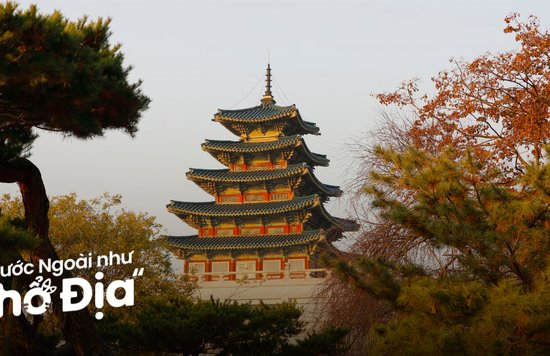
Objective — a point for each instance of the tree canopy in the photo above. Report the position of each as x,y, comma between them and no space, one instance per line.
492,294
62,76
13,239
456,240
177,324
100,225
496,104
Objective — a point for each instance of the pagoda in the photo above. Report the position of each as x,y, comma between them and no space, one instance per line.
267,216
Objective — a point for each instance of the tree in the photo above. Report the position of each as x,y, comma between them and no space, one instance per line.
454,199
65,77
492,295
100,225
497,105
452,317
178,324
13,241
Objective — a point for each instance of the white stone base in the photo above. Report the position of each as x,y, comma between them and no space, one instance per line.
304,291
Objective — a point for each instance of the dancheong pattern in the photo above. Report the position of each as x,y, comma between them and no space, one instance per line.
267,203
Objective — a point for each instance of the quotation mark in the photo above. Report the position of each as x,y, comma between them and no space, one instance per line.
137,272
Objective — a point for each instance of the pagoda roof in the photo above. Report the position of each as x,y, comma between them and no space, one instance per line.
345,224
213,209
262,114
243,209
252,147
293,170
258,113
244,241
281,143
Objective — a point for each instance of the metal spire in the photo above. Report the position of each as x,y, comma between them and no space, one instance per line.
267,99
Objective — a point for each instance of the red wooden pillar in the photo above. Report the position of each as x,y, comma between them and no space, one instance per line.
208,269
232,268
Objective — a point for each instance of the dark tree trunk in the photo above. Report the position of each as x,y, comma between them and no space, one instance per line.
78,327
18,338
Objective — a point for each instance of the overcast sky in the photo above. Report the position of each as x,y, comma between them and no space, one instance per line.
194,57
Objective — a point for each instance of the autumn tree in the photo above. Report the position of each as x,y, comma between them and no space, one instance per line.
66,77
100,225
497,104
453,192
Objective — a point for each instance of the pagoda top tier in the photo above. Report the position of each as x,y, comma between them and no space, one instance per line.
267,120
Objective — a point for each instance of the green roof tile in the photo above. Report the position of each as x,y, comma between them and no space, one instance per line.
225,175
264,113
346,224
242,209
252,147
258,113
212,209
281,143
244,241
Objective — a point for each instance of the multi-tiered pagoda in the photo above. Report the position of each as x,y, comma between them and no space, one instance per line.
267,214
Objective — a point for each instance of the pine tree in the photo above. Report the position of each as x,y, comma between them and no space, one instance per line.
65,77
492,295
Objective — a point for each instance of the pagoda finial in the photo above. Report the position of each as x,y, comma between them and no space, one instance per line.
267,99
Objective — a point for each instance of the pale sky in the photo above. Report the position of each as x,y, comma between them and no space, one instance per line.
197,56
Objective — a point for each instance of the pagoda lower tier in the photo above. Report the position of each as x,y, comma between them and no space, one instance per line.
249,256
240,239
298,214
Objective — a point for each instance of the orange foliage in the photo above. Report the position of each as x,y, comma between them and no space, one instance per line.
497,104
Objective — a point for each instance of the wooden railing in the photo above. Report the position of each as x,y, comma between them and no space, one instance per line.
260,275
